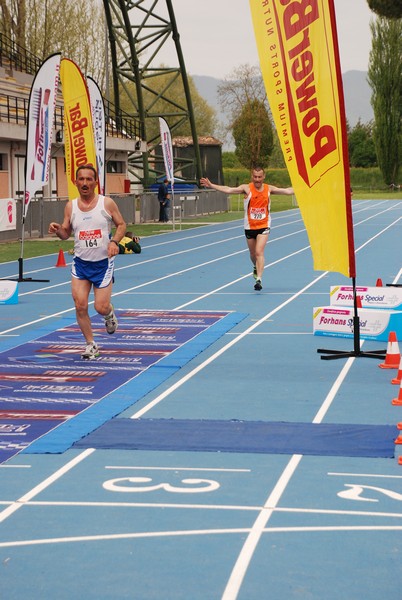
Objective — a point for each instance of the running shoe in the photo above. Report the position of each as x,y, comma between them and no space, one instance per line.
258,285
91,351
255,273
111,322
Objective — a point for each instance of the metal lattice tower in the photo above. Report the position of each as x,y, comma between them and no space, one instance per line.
139,34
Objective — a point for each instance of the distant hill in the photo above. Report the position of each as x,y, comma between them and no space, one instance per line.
355,87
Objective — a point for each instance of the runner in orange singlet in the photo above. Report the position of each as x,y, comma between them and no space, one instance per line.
257,217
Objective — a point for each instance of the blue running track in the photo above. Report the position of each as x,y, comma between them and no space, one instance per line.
190,513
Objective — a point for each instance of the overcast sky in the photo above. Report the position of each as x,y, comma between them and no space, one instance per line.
217,35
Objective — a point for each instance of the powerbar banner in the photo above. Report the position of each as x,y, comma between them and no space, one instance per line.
78,129
41,106
299,57
99,125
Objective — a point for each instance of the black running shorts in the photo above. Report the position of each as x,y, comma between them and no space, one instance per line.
251,234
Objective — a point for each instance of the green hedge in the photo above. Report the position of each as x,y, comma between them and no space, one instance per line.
367,179
361,179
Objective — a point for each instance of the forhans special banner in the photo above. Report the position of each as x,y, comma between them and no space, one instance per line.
78,130
299,58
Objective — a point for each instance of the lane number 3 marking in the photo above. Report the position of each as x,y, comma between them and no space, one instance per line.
142,484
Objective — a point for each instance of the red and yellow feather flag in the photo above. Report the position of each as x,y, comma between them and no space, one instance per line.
299,57
79,146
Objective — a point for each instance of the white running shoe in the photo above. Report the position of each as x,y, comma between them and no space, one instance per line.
111,322
91,351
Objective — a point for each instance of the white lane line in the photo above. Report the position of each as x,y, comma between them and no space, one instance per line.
148,468
334,389
229,345
219,289
376,475
330,397
136,287
218,507
44,484
192,533
151,260
240,568
244,558
15,466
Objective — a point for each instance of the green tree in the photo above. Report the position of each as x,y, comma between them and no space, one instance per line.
13,20
385,78
76,29
230,161
253,135
361,145
277,160
242,85
391,9
241,93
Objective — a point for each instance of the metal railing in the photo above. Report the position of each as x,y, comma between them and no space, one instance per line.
42,211
17,57
194,204
14,109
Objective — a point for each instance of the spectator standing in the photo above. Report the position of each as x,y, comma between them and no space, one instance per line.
164,201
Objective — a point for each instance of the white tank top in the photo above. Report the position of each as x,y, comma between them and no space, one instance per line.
91,230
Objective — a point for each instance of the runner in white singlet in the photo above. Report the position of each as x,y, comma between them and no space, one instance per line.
90,218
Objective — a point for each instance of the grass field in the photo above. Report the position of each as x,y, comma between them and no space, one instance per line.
10,251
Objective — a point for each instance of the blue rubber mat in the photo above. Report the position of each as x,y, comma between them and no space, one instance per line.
51,397
324,439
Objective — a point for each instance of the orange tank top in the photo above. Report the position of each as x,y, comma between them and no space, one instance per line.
256,208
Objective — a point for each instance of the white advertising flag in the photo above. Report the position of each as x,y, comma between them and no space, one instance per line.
8,214
42,102
99,127
166,143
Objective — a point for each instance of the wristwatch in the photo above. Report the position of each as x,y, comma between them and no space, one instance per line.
114,241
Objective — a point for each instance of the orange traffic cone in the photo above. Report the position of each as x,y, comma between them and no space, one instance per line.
61,261
379,283
393,356
398,378
398,401
400,460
